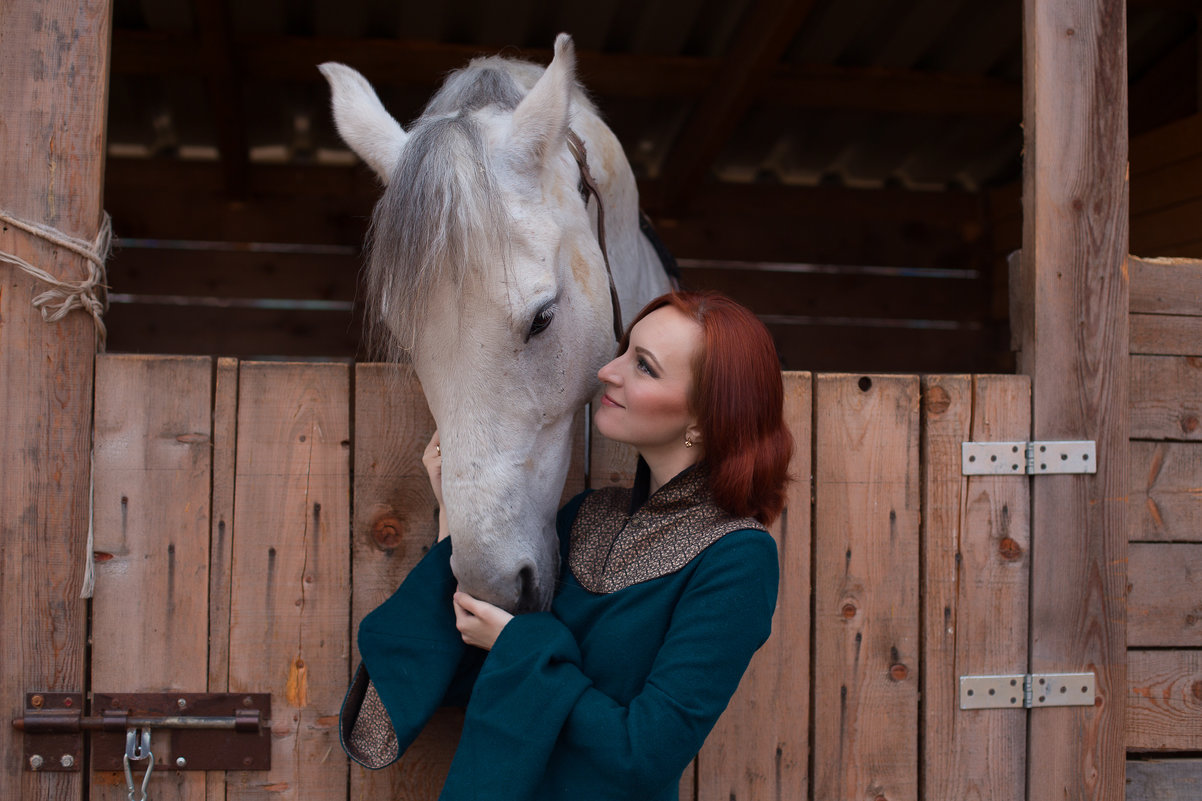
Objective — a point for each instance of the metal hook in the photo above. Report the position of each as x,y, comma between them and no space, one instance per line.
137,748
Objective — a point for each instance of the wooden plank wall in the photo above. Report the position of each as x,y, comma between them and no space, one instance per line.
237,501
846,279
1164,705
1165,202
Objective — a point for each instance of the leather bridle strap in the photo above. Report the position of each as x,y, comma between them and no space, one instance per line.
576,146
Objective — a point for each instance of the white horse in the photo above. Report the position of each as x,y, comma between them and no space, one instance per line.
485,270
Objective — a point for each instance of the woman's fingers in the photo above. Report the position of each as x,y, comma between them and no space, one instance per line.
478,621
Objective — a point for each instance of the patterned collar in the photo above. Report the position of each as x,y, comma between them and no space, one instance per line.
616,543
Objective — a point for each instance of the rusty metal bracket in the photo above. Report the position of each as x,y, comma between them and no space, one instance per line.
201,731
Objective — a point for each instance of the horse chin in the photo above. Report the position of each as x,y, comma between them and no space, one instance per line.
519,588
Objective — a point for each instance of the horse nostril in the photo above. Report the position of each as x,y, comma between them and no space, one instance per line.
527,589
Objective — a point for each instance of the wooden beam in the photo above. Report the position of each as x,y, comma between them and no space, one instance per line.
890,90
417,64
54,59
406,62
224,91
1074,346
763,37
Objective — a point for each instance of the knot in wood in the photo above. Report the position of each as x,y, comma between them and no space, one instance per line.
1189,424
899,672
1009,549
849,610
387,532
938,400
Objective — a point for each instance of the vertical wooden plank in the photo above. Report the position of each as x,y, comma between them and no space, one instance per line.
150,608
395,525
1075,348
866,507
976,545
54,63
221,539
760,747
611,463
290,600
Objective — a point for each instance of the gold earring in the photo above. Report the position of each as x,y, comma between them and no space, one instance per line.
688,443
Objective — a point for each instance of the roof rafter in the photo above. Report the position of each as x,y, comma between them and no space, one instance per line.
769,28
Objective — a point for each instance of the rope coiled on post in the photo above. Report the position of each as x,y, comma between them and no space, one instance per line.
90,294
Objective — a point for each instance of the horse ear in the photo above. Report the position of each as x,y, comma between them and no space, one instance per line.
540,121
362,121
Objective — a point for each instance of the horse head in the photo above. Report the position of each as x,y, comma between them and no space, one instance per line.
485,271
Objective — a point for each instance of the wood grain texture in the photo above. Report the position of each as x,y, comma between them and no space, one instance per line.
1164,780
150,609
221,539
1166,491
976,566
290,607
866,562
54,59
760,746
1075,348
1165,701
610,463
1166,285
1164,607
1167,334
395,525
1166,397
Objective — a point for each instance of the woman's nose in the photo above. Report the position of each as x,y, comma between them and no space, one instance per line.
607,374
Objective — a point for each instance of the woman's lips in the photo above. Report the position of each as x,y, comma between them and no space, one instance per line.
608,401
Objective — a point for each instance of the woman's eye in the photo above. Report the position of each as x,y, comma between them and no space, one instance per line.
644,367
541,321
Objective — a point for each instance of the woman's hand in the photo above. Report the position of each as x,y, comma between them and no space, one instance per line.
479,622
432,459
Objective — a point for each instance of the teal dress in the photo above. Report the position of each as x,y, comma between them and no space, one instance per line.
609,694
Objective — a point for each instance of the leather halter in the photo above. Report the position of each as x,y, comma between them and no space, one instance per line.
576,146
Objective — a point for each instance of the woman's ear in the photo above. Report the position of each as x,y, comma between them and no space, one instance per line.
693,434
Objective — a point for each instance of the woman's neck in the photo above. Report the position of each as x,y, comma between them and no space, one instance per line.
667,465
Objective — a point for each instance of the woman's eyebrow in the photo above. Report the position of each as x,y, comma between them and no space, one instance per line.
650,356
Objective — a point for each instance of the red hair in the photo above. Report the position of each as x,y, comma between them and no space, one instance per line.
738,398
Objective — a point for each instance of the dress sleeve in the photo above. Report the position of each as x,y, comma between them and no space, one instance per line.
411,650
532,692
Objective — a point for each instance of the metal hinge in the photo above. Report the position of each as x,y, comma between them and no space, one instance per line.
1028,458
1026,690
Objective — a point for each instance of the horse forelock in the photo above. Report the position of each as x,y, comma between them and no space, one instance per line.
442,215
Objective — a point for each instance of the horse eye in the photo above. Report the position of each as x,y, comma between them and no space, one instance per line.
541,321
582,188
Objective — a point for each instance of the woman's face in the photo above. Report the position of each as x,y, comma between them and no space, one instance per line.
647,388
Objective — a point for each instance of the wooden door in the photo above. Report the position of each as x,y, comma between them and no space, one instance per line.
249,514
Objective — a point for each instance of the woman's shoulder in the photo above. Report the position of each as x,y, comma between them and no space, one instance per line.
749,542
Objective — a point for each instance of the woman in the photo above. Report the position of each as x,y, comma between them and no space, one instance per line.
668,588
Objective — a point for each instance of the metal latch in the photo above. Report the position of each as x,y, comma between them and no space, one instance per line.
204,731
1027,690
1028,458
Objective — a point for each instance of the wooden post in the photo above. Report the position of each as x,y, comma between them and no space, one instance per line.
54,63
1074,346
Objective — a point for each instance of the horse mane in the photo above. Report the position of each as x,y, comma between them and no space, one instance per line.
442,206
